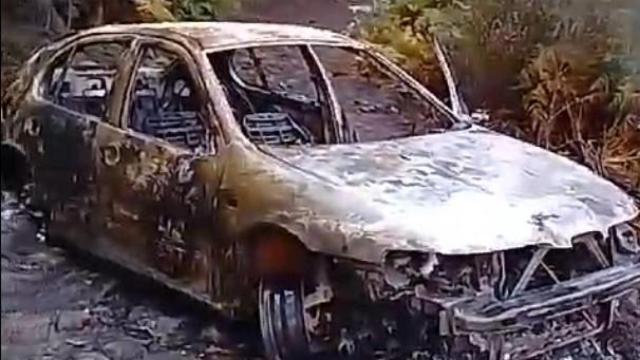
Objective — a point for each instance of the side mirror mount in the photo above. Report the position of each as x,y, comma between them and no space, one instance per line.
477,116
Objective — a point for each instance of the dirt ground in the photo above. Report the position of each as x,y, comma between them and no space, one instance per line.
58,305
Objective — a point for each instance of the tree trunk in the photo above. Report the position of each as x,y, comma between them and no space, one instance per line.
39,13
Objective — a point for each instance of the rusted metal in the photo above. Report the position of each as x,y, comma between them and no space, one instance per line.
536,260
574,295
419,243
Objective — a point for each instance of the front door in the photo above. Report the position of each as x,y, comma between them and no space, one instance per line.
158,173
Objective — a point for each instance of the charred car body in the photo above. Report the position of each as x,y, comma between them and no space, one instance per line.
191,154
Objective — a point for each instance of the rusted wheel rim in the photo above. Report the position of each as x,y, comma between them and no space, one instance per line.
282,319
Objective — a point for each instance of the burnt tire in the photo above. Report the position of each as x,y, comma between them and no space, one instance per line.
282,319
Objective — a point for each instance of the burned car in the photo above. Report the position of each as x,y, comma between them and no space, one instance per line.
297,177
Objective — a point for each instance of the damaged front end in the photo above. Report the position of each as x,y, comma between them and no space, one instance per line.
514,304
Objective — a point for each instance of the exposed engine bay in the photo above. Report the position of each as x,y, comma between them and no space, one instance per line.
516,304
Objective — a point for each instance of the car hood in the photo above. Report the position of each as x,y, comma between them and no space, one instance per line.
463,192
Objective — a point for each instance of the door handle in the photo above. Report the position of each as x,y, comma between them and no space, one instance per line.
110,154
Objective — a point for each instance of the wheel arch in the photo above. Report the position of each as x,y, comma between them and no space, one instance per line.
274,250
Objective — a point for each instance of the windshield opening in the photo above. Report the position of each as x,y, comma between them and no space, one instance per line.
376,103
280,96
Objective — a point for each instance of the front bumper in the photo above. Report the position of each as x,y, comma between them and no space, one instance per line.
534,322
486,315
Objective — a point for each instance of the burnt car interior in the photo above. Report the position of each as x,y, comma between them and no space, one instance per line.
165,103
81,80
280,105
272,106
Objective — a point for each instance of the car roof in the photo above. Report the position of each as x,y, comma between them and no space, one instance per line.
216,36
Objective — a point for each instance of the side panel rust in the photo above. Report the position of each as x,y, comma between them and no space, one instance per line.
155,209
59,145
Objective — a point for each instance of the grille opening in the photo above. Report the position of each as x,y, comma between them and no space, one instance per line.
533,268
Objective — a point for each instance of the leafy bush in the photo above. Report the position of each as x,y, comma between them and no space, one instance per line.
201,10
564,75
156,10
184,10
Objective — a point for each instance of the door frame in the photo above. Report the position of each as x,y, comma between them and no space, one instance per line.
125,94
120,120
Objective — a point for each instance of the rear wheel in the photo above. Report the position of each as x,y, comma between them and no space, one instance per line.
15,169
282,319
17,180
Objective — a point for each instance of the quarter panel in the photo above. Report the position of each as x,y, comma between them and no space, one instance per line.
59,147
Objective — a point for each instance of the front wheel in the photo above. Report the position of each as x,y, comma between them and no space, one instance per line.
282,319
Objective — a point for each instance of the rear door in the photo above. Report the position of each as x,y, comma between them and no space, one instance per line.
158,172
59,129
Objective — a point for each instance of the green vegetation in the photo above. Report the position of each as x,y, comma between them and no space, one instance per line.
562,74
183,10
202,10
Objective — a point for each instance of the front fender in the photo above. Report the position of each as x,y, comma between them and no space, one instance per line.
257,188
